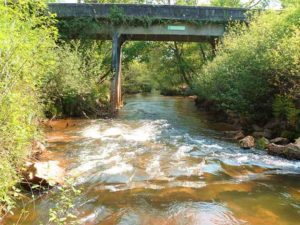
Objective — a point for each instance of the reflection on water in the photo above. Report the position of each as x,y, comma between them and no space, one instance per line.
161,163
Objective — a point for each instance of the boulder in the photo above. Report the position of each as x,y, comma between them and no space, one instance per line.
280,141
247,142
45,174
297,141
290,151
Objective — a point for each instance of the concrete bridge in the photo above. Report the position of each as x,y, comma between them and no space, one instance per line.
121,22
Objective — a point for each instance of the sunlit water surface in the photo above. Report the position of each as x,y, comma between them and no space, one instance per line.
161,162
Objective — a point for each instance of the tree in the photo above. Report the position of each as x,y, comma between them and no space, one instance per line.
226,3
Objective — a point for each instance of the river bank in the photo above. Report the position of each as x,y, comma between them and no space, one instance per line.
271,134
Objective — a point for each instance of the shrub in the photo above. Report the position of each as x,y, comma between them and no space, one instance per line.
27,38
254,64
73,88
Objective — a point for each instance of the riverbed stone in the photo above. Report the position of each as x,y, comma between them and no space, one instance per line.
297,141
280,141
247,142
290,151
45,174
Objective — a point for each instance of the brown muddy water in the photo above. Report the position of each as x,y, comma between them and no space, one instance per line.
162,162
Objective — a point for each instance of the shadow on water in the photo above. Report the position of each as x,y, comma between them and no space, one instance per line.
160,162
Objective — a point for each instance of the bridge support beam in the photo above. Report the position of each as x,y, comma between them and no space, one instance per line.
116,91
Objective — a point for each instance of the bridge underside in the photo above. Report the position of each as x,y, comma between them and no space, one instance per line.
167,32
183,32
173,32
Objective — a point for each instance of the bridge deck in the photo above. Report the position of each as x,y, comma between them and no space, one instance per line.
164,12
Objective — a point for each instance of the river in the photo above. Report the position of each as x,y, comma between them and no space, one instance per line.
162,162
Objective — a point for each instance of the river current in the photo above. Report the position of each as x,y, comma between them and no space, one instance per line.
162,162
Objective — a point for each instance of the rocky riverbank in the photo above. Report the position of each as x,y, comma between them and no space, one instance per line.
46,169
40,170
267,136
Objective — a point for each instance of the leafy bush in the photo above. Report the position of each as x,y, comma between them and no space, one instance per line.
136,78
27,38
285,109
73,87
39,75
62,212
254,65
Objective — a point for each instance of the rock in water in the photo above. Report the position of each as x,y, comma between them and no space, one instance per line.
247,142
290,151
280,141
47,173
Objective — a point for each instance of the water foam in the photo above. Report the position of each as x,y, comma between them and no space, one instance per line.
120,168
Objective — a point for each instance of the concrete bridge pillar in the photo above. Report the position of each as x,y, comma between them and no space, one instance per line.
116,91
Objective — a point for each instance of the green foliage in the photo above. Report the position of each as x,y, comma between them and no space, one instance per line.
167,66
226,3
26,41
34,69
118,17
77,28
61,213
186,2
116,1
284,108
289,3
258,4
254,64
73,87
175,64
262,143
136,78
